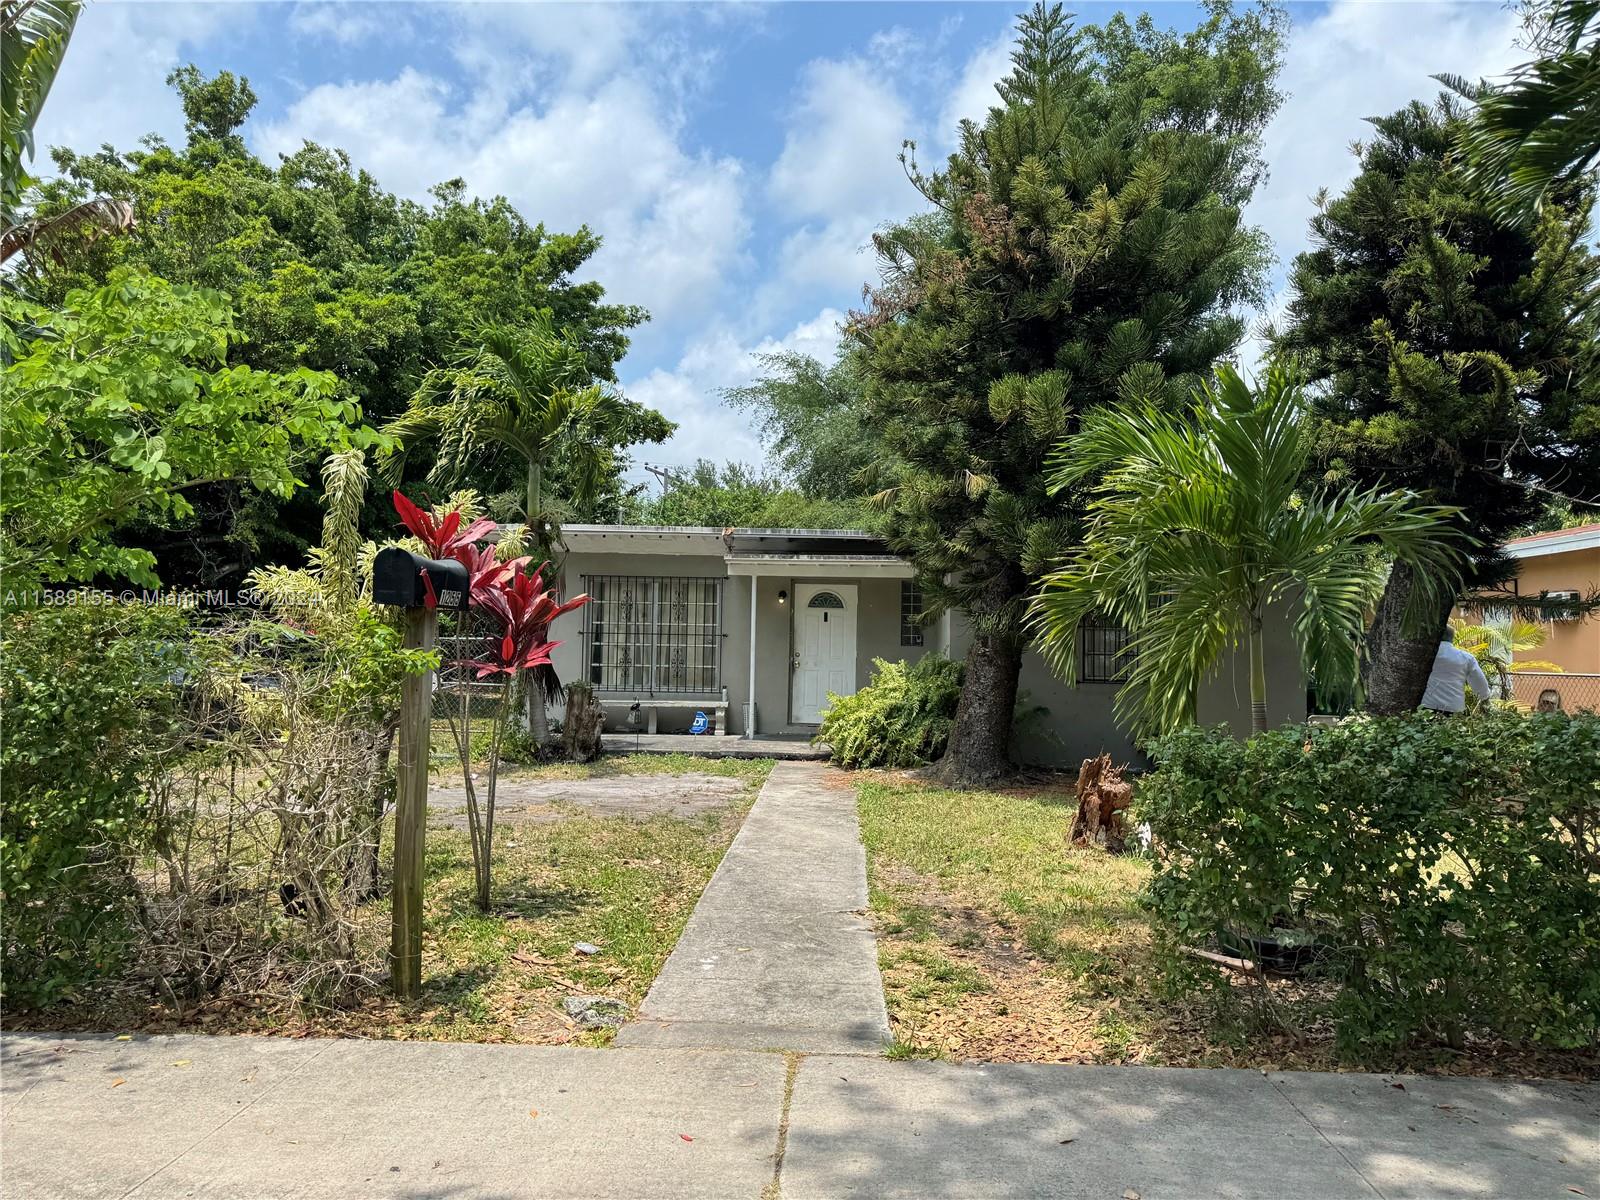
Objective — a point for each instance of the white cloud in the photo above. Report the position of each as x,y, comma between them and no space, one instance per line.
608,153
348,21
839,175
840,152
973,94
112,85
690,393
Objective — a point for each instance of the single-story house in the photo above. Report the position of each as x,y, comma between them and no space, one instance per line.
1561,565
754,627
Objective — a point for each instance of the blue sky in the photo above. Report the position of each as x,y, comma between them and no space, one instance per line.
735,157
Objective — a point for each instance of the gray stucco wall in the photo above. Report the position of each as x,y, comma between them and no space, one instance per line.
1078,721
1225,696
877,633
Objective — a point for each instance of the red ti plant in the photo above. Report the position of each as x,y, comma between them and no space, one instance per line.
523,608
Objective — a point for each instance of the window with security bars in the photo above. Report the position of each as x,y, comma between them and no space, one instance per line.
910,613
654,635
1104,655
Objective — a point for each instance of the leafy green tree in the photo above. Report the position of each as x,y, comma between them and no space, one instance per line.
734,494
530,393
327,270
1085,247
1198,526
1539,128
814,422
1454,357
115,407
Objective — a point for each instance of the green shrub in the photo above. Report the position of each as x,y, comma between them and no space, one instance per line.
88,697
1452,864
900,719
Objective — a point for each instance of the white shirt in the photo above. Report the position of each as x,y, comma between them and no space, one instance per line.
1453,669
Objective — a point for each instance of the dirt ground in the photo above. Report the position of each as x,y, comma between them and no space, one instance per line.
535,802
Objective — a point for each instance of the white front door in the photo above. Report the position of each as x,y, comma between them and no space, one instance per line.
824,647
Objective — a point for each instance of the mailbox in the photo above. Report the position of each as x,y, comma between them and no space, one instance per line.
397,579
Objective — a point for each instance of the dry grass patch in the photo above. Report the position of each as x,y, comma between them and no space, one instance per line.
624,883
999,941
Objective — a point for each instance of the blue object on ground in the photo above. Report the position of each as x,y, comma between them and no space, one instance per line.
701,723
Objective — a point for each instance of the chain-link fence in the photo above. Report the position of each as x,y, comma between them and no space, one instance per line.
465,639
1552,691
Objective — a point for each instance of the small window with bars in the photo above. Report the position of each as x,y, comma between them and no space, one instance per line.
910,613
654,635
1104,653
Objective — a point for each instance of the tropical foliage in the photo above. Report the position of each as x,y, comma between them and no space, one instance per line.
813,422
1495,643
1538,129
733,494
1450,355
120,403
1444,867
529,392
1199,525
325,270
1085,247
523,608
88,709
902,718
33,40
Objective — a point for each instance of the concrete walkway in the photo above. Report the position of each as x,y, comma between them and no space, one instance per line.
779,953
237,1118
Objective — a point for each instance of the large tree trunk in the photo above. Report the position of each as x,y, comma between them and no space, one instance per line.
980,741
1397,665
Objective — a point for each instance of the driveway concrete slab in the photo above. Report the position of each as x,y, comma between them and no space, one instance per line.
865,1127
262,1118
779,953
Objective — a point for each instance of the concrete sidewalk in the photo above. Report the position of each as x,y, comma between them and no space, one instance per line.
253,1118
779,953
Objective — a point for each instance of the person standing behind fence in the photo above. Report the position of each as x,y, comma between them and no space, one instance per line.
1453,670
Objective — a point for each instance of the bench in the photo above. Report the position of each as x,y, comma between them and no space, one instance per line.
649,704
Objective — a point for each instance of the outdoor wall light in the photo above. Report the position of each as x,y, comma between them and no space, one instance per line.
783,597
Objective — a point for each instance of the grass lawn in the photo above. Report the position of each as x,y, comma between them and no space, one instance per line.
999,941
624,883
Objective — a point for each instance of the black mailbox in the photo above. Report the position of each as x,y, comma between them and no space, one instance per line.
397,579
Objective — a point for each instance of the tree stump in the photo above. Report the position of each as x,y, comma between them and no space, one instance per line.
583,724
1103,796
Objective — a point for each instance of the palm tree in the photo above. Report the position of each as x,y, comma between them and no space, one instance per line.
1496,642
33,42
1199,524
1542,125
531,391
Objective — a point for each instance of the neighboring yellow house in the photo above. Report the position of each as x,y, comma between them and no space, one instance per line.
1554,564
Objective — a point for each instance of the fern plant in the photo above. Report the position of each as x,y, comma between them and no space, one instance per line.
901,719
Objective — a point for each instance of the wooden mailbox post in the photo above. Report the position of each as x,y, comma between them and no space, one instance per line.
421,587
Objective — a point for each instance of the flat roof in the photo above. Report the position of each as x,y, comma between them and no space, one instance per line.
734,542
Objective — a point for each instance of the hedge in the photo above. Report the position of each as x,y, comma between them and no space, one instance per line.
1452,865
